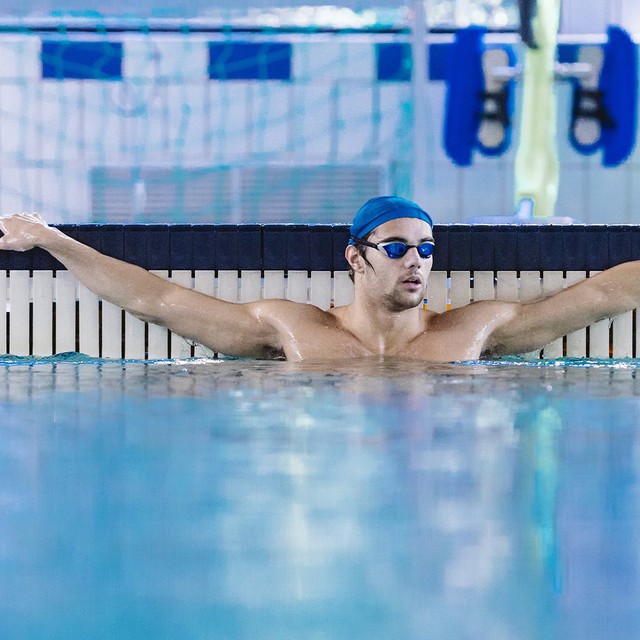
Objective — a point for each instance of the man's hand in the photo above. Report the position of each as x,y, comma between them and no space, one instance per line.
22,231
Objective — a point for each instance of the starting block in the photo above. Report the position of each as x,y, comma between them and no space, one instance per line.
480,97
605,99
479,102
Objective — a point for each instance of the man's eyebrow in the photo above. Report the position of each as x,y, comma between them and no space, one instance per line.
402,239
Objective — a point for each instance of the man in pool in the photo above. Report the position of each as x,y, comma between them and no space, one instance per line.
390,257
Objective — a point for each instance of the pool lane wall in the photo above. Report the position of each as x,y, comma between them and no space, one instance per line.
48,311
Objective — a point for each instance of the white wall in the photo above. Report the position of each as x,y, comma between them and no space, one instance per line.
578,18
166,112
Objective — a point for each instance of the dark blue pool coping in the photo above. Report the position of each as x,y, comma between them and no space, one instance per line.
317,247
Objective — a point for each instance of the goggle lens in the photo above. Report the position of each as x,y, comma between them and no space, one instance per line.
397,249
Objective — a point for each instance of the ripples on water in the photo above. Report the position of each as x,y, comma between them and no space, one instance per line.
362,499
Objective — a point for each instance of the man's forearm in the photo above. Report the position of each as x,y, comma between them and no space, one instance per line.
619,288
123,284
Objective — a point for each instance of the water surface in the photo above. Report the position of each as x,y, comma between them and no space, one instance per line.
366,499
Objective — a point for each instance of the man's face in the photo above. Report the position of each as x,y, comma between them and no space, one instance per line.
399,283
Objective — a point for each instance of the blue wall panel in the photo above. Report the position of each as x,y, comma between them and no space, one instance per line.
81,60
250,60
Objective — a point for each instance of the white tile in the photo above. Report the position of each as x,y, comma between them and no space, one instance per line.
436,104
333,59
228,136
62,121
272,120
20,122
19,188
634,193
395,131
65,193
105,106
168,58
355,121
314,111
444,201
608,195
143,119
187,117
483,191
20,57
11,190
573,201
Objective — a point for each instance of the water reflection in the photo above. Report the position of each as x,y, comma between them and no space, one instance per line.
375,499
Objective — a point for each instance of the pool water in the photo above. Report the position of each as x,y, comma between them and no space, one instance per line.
270,500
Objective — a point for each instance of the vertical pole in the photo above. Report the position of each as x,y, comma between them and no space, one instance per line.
419,57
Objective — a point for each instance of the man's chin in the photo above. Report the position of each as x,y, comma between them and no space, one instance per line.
406,302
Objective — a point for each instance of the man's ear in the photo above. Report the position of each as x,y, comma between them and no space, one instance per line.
355,260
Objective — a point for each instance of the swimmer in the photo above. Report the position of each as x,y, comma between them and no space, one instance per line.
390,256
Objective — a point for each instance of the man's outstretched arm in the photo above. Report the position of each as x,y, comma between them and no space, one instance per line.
233,329
524,327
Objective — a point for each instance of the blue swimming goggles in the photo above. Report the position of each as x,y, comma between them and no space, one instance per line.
397,249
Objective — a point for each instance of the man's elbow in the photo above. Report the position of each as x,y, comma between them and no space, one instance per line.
150,310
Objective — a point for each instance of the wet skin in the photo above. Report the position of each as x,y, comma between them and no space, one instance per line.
386,317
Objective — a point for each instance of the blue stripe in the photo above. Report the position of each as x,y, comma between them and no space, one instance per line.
250,254
596,248
137,249
274,247
181,246
320,248
249,61
227,247
157,248
340,237
529,248
505,249
459,242
113,242
203,246
551,256
441,253
298,253
620,245
573,248
81,60
394,63
482,253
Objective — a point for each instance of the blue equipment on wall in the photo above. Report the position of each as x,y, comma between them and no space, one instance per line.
605,104
479,105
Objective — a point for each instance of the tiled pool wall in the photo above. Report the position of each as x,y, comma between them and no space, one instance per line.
73,109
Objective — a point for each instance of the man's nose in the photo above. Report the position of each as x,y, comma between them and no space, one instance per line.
412,256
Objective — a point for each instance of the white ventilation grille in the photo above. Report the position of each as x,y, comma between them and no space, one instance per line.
233,194
322,193
161,194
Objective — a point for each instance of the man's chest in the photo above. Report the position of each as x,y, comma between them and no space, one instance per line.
335,343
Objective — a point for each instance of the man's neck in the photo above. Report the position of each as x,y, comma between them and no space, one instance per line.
380,329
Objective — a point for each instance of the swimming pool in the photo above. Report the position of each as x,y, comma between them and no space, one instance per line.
371,499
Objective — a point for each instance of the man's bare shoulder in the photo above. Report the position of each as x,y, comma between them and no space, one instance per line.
480,311
290,311
305,331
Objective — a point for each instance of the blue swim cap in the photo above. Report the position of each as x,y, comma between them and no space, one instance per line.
379,210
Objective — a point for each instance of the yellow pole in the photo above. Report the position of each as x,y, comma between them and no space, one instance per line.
537,171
